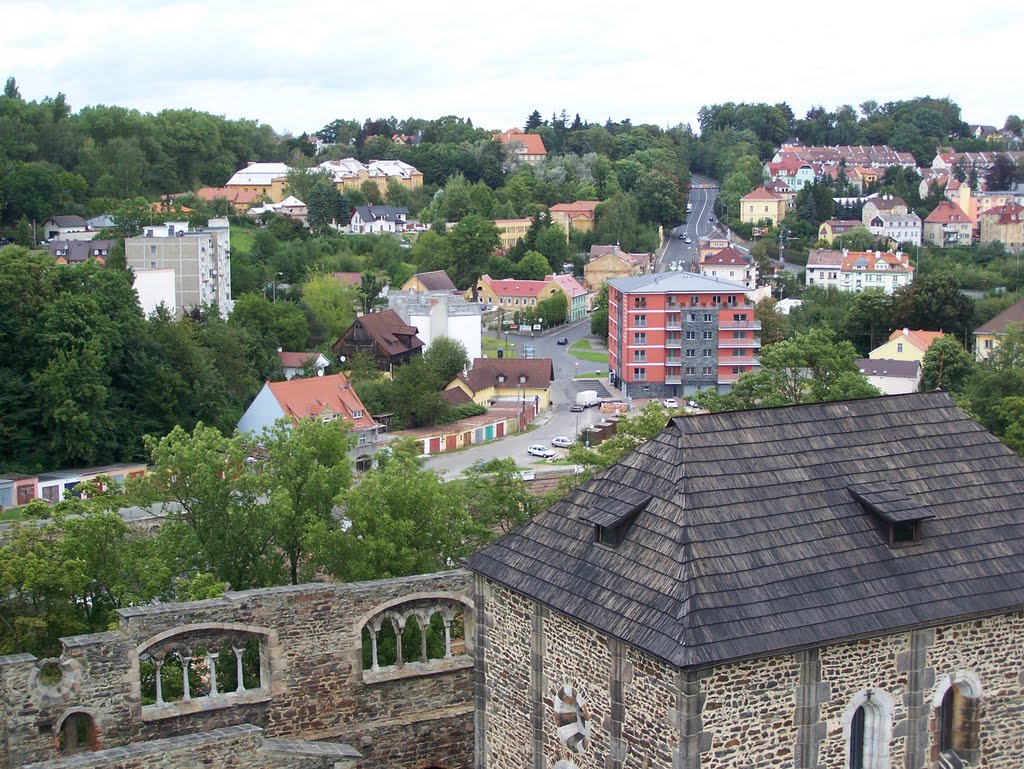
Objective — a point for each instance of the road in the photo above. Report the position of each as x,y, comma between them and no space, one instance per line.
558,421
697,226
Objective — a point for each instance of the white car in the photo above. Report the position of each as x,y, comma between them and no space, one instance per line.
670,403
561,442
538,450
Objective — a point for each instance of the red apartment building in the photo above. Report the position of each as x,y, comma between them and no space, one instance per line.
671,334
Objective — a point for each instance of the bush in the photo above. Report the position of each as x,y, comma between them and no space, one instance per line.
466,410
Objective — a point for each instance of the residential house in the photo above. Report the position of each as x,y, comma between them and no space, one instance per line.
511,231
526,147
290,207
575,294
492,380
60,226
436,280
882,204
905,344
671,334
440,313
931,179
829,584
861,156
897,228
981,162
377,219
295,363
947,226
240,198
349,173
99,222
608,262
79,251
575,217
200,258
986,199
388,339
711,245
1004,224
987,335
762,206
858,270
834,229
326,398
512,294
732,265
262,180
792,172
891,377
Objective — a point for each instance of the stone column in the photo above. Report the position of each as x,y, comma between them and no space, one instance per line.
158,662
811,692
423,621
480,688
374,629
688,719
211,663
398,623
621,677
448,615
538,684
185,660
920,680
239,651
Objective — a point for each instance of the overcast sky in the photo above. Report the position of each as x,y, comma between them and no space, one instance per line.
300,65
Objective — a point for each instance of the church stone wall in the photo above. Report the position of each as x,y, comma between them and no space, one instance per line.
312,685
790,711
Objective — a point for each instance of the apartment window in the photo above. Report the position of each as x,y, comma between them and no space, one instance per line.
739,317
690,370
708,317
640,338
639,374
691,353
694,300
707,334
737,353
640,356
899,347
672,319
737,335
517,300
707,353
707,370
691,334
152,250
732,299
640,320
738,369
640,302
716,300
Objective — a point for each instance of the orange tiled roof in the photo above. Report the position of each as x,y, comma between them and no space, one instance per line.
533,144
947,212
761,194
513,287
579,207
922,340
310,397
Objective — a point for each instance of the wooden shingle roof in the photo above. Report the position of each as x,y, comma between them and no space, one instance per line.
753,541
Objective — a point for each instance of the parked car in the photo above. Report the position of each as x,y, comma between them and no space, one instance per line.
564,340
561,442
670,403
688,240
538,450
576,407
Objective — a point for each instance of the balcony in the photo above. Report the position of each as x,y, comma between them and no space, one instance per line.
727,377
673,344
673,325
673,380
746,360
740,325
673,361
732,343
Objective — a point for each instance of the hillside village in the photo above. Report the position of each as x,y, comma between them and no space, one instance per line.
418,444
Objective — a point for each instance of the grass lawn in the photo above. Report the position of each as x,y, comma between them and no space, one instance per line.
583,350
242,237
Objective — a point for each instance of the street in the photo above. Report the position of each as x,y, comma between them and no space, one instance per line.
697,226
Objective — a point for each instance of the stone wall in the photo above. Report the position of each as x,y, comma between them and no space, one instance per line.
790,711
311,686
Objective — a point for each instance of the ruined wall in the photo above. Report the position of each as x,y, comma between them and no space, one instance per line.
311,683
790,711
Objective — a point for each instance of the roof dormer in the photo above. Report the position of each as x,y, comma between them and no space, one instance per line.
898,516
612,516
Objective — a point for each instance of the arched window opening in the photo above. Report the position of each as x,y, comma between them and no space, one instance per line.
957,726
947,717
77,734
857,739
417,633
867,726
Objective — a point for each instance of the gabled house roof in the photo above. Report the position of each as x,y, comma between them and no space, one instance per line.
947,212
887,367
1012,314
314,396
532,144
922,340
625,256
842,225
77,251
761,194
886,202
579,208
537,373
569,285
71,220
381,213
299,359
513,287
387,329
728,256
435,280
742,536
1009,213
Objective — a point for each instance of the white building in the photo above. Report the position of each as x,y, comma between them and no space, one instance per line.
900,228
730,264
200,258
440,313
155,288
891,377
859,270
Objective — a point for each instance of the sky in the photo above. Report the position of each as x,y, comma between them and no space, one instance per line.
299,67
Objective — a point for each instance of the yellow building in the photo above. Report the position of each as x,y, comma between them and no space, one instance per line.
507,379
437,280
832,230
1004,224
609,263
987,337
262,180
574,217
513,294
349,173
511,231
762,205
905,344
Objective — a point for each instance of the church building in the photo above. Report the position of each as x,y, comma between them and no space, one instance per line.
826,586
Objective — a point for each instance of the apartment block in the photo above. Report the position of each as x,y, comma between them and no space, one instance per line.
672,334
200,259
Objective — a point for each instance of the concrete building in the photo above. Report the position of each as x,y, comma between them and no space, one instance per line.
858,270
671,334
947,226
575,217
575,294
609,262
762,206
510,231
1004,224
440,313
897,228
882,204
200,258
258,180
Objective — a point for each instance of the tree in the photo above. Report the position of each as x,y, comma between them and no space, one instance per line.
472,241
933,302
946,365
774,325
370,286
496,496
534,120
868,319
806,368
308,468
554,309
533,266
416,398
1004,173
221,515
281,322
631,432
446,357
599,314
11,89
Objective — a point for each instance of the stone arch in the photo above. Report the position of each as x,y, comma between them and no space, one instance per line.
49,691
956,716
877,711
76,732
194,654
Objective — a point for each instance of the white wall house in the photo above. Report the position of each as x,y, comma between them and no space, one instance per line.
440,313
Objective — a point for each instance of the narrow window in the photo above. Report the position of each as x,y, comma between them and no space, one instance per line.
857,739
947,711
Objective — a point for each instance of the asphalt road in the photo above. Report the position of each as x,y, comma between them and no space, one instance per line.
697,225
558,421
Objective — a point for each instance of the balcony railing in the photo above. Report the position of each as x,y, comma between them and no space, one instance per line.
731,343
740,325
751,360
673,325
728,377
674,343
673,361
673,380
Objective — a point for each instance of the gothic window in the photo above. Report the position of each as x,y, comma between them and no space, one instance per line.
867,727
415,637
77,733
572,718
956,723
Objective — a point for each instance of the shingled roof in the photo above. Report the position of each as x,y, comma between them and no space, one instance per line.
752,542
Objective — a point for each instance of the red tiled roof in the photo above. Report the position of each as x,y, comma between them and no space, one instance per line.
513,287
893,262
947,212
348,278
539,373
570,285
533,144
235,195
296,359
311,397
760,194
922,340
728,256
579,207
1010,213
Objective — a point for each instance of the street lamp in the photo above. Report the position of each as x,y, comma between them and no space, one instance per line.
276,276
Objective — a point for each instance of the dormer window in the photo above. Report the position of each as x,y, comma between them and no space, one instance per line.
612,516
522,379
899,517
501,379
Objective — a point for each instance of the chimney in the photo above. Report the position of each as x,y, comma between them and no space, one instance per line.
906,332
878,254
279,349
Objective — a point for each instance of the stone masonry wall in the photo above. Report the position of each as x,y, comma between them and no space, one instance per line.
414,715
783,712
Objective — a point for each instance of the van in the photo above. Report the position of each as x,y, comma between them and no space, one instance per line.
587,398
